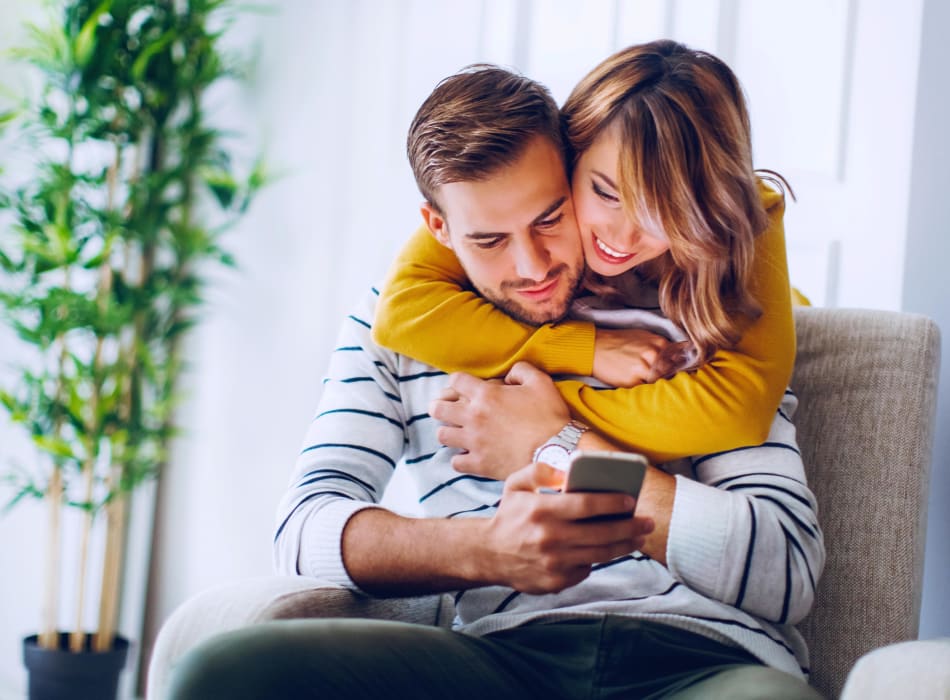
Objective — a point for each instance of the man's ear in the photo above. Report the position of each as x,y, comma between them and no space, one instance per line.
436,224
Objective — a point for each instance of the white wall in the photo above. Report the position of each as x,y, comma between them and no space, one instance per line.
335,88
22,530
927,288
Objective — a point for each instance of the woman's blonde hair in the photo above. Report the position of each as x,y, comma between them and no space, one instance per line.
685,174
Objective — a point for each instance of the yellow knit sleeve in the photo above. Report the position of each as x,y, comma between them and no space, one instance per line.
730,401
427,310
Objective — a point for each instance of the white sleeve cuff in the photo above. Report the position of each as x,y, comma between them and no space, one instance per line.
698,538
321,545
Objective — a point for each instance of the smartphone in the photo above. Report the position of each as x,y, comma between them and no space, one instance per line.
606,471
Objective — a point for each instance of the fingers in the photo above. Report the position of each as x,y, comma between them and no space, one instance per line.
447,394
583,506
465,463
451,436
648,356
535,476
523,373
465,384
463,388
449,412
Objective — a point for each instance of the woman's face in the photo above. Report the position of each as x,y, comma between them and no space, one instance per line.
612,242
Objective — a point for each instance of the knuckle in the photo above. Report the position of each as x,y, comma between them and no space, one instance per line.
539,540
460,464
550,563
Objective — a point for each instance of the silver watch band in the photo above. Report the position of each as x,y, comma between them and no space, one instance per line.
557,450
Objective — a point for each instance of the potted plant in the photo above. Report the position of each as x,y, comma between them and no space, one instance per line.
106,238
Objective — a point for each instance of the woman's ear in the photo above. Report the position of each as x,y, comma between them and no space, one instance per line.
436,224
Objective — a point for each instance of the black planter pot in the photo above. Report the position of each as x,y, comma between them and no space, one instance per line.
58,674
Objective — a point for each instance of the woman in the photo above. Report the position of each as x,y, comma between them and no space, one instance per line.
668,204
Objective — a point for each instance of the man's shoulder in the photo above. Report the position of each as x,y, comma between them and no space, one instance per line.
359,323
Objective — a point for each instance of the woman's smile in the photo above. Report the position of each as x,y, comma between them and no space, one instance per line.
608,254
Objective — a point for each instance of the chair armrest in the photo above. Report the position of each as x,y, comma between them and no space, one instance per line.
908,670
254,601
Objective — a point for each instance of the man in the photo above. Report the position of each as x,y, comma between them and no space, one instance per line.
691,596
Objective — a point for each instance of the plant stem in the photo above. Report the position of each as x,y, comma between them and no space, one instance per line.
115,508
115,542
49,636
78,637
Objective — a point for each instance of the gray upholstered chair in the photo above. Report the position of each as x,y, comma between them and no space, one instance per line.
867,384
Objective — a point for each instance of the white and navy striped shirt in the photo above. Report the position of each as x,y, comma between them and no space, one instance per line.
745,550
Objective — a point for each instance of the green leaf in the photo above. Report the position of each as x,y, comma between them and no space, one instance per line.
27,490
48,49
8,401
54,445
86,39
7,263
141,63
221,183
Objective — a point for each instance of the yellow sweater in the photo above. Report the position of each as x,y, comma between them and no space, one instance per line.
428,311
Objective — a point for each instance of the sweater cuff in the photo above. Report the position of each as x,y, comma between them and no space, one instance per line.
321,542
569,348
699,529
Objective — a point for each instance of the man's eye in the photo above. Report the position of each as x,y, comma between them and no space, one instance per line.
603,195
488,243
550,223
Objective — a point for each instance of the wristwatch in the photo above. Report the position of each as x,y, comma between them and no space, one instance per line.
557,451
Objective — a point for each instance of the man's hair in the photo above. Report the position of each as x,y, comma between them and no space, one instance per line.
475,122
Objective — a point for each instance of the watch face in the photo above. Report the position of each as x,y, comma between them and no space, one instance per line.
555,455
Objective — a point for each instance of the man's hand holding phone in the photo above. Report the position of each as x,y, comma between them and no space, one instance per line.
542,542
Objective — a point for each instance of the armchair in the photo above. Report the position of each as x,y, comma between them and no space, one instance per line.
867,385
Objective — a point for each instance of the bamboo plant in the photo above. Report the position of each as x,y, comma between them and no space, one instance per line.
110,223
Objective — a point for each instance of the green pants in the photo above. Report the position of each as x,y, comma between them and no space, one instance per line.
609,657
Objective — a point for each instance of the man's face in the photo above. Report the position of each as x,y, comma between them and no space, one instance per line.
515,235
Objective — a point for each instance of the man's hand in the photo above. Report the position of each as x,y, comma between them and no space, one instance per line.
545,542
625,357
498,425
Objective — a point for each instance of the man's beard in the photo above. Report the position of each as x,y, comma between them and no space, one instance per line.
503,300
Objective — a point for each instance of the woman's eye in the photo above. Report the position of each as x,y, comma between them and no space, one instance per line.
604,195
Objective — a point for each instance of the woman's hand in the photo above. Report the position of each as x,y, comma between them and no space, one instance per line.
626,357
499,425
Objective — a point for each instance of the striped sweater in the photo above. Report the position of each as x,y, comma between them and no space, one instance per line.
744,554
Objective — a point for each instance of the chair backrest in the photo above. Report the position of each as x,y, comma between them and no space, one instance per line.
867,386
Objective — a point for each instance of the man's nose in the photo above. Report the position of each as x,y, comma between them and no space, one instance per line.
532,260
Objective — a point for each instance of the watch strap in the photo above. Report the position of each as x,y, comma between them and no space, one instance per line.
557,450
